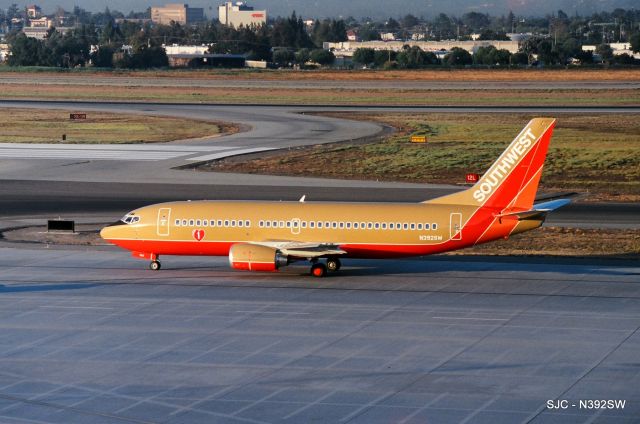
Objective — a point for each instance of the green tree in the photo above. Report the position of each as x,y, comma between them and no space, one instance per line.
413,57
26,51
635,42
605,51
103,57
488,34
302,56
458,57
519,58
283,56
476,21
364,56
322,57
380,57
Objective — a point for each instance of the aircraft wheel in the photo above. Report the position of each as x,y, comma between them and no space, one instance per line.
154,265
318,270
333,264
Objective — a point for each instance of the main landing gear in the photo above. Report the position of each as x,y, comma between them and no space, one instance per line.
319,270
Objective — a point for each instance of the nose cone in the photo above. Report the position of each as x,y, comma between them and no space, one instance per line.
112,231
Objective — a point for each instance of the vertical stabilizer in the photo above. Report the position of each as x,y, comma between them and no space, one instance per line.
512,180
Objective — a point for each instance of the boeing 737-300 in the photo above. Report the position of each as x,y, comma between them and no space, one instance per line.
266,236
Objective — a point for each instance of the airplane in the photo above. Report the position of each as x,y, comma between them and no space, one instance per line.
266,236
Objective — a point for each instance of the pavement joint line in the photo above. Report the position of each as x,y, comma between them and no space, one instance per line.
73,409
576,381
424,408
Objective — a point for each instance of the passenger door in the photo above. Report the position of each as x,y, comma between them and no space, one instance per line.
164,216
455,226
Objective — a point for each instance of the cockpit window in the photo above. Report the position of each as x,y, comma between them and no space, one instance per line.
130,218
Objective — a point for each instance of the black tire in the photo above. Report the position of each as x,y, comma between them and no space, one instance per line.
333,264
318,270
154,266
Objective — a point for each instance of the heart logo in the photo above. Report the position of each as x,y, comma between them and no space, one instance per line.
198,234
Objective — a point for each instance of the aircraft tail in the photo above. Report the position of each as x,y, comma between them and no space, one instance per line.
512,181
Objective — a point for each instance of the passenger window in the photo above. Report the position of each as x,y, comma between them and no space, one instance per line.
426,226
363,225
288,224
219,223
226,223
268,224
434,226
177,222
274,224
240,223
348,225
191,222
334,224
413,226
419,226
384,225
341,225
391,226
327,224
369,225
184,222
377,225
212,223
319,224
205,223
261,224
405,226
312,224
398,226
198,222
304,224
355,225
247,223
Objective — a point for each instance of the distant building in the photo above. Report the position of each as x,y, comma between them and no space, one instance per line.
4,52
38,28
352,35
41,23
387,36
179,13
347,48
240,14
618,49
34,11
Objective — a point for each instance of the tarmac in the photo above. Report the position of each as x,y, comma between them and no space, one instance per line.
90,335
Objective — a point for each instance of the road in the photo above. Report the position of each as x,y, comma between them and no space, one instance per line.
181,81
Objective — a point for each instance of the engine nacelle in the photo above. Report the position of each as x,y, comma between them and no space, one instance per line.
253,257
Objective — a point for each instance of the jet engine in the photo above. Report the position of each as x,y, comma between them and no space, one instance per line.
254,257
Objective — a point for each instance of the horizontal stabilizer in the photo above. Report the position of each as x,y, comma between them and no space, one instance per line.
539,211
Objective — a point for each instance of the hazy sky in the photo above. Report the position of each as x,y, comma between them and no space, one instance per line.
358,8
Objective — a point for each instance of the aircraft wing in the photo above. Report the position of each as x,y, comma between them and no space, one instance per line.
539,210
304,250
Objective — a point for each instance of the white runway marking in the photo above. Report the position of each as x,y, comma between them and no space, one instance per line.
230,153
129,152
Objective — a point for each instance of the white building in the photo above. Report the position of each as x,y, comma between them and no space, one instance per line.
618,49
240,14
347,48
175,49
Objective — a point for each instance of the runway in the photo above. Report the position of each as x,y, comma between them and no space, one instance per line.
91,336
